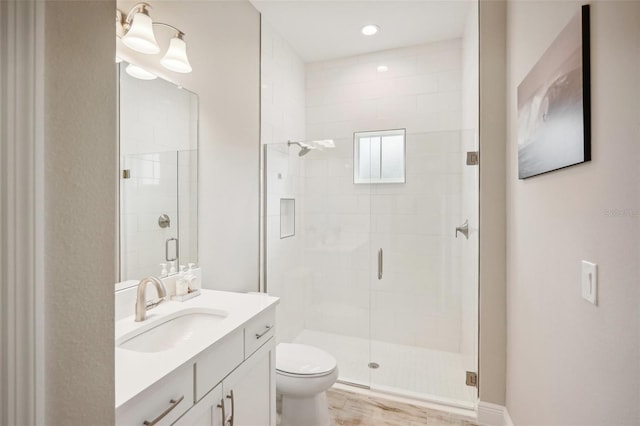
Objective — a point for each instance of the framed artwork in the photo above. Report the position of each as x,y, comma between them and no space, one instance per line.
554,104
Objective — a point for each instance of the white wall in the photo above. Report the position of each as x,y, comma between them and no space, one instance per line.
283,119
418,302
570,362
80,212
223,43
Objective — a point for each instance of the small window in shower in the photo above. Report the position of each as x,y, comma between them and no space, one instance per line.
287,217
379,157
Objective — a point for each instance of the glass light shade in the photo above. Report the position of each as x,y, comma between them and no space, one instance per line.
176,57
140,36
141,73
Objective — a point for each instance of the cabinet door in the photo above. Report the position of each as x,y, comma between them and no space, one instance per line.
207,412
250,389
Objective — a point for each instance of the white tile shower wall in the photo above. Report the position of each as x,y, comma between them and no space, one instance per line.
418,300
469,255
156,117
188,206
283,119
151,191
155,124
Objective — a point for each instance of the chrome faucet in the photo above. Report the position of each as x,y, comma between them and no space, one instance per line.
141,302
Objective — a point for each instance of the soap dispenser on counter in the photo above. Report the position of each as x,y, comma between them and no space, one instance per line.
185,284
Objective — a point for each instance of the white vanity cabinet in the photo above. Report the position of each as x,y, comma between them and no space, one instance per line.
245,396
229,383
250,390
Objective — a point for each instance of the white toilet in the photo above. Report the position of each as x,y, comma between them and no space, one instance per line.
303,374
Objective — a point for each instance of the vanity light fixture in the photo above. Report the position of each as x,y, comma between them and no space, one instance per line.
370,29
136,31
176,57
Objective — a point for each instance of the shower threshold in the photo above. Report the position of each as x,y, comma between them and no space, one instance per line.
413,373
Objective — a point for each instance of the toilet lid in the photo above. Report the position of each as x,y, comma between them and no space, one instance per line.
303,360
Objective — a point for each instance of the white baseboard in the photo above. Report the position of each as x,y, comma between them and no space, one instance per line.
507,418
493,415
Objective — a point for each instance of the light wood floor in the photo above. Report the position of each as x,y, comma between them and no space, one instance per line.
348,408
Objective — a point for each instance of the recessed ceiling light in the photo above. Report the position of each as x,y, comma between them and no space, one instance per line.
383,68
370,29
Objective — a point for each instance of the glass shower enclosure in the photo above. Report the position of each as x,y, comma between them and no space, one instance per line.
375,266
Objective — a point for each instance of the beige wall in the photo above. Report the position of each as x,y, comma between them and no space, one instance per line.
223,42
570,362
492,317
80,211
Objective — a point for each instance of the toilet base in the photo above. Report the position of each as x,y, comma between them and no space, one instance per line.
307,411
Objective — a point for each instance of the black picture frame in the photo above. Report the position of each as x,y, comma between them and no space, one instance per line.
554,103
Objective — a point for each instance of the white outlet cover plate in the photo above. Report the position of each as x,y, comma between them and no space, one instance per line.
590,282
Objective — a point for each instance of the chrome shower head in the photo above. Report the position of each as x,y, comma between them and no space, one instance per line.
304,150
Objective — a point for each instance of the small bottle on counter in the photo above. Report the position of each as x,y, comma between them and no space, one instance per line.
182,287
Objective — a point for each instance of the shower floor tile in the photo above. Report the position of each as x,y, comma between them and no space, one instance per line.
408,371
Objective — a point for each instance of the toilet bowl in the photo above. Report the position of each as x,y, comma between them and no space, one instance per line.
303,374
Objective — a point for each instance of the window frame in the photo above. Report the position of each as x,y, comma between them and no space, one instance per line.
356,156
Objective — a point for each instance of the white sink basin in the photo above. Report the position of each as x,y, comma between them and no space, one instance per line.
173,330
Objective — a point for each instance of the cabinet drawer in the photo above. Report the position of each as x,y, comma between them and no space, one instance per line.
258,331
213,365
171,396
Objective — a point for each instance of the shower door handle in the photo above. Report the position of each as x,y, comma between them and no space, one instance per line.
166,249
380,264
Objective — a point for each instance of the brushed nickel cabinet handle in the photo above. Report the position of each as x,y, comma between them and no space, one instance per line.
224,415
172,404
380,264
259,335
233,408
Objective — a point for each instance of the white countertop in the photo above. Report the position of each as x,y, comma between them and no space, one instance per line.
136,371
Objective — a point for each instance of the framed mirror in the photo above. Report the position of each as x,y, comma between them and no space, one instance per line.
158,192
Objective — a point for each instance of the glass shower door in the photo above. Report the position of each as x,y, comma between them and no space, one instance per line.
422,300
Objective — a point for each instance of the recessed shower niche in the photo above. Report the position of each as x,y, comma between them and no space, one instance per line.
158,210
